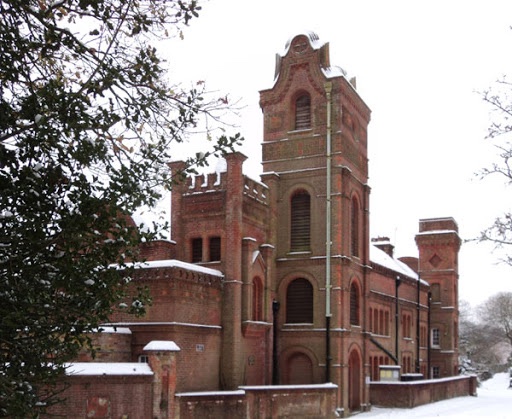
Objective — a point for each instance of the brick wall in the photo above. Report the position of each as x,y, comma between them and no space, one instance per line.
106,397
416,393
260,403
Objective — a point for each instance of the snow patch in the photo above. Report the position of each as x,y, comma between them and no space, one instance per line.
108,368
162,345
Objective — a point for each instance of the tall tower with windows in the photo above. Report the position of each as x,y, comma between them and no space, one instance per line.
315,163
438,244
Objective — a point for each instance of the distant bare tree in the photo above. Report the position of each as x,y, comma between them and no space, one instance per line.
499,97
476,339
496,313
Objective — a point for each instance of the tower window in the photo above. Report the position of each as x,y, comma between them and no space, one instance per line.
303,112
197,250
299,302
436,338
354,228
354,304
300,219
436,293
214,249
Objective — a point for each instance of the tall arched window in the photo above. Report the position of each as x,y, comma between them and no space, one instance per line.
257,300
354,304
303,112
300,220
299,301
354,228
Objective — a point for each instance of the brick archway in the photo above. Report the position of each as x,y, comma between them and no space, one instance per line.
354,380
299,369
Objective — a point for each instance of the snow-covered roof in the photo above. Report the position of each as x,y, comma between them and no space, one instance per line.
173,263
108,368
162,345
381,258
335,71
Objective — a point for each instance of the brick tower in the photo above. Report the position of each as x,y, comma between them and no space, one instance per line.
315,164
438,244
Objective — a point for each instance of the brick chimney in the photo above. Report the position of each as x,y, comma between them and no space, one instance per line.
383,243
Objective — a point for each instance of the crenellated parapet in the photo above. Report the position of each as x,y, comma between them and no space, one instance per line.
217,182
256,190
211,182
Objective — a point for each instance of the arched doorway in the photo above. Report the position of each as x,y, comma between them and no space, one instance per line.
299,369
354,381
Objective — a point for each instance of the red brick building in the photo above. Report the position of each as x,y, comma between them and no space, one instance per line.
276,281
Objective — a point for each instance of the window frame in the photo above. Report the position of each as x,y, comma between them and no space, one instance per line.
435,337
215,249
196,249
300,221
355,304
302,112
299,302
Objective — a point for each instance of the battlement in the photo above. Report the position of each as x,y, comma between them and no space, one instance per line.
211,182
217,182
256,190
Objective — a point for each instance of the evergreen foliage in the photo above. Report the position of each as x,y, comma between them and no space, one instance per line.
87,124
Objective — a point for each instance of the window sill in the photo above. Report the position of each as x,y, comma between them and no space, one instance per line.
300,131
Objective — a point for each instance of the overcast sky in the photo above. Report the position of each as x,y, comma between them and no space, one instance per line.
418,66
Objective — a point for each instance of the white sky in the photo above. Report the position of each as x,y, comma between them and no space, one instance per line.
418,65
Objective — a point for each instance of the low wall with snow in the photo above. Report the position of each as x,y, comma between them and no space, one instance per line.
415,393
301,401
106,390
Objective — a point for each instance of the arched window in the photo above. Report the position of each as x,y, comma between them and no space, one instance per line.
257,300
354,228
354,304
299,301
300,221
303,112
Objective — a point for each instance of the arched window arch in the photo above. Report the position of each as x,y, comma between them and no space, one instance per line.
299,301
303,112
257,299
354,227
299,369
300,221
354,304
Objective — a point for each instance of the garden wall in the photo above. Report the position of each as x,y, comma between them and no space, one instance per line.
260,402
415,393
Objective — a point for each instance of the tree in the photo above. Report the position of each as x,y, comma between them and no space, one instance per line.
500,130
87,121
496,312
478,341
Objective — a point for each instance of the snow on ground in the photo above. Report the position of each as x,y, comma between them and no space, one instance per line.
494,400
